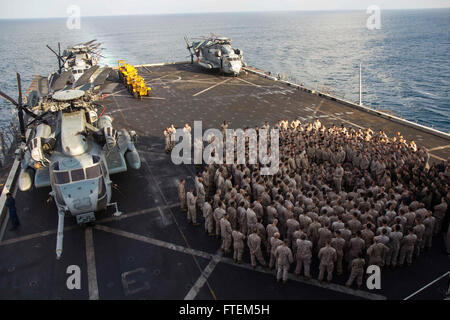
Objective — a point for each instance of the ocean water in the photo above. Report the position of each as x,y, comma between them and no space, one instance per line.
406,63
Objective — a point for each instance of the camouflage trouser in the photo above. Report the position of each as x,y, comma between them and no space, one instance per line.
392,256
192,214
282,271
418,247
257,255
338,184
303,262
183,203
226,243
209,224
355,274
272,260
326,267
427,240
238,251
406,252
243,228
340,257
200,202
217,227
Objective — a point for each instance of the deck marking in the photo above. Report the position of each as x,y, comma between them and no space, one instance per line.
107,219
92,270
199,253
437,157
209,88
318,107
148,70
6,219
155,182
426,286
155,242
204,277
343,120
35,235
166,75
256,85
439,148
313,282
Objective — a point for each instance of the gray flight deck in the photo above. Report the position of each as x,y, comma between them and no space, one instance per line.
151,252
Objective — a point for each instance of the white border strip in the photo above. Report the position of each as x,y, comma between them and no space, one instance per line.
426,286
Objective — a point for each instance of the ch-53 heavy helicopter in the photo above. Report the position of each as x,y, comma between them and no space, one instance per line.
216,53
71,149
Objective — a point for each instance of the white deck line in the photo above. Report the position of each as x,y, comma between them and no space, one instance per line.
209,88
91,267
427,285
221,259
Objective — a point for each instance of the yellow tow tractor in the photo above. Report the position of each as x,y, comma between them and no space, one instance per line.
135,84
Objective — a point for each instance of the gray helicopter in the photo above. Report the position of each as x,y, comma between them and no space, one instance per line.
73,150
216,53
76,64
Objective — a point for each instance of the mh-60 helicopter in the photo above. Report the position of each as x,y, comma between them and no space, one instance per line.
216,53
72,150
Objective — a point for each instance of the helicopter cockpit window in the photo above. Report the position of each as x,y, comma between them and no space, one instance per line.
93,172
77,175
62,177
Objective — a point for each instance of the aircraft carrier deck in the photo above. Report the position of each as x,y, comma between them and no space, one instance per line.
151,252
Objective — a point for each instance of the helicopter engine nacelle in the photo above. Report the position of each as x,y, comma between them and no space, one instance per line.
132,156
37,144
110,134
26,179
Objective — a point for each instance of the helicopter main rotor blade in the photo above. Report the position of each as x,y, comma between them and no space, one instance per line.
6,97
20,111
57,55
89,42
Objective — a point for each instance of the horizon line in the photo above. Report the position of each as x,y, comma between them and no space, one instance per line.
220,12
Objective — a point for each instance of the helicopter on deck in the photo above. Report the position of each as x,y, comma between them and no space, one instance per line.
216,53
73,150
76,65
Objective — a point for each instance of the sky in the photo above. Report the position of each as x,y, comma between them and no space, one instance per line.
19,9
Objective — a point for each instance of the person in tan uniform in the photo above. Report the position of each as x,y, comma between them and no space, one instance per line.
439,214
356,247
325,235
284,257
271,229
208,216
407,248
395,237
357,272
338,244
254,244
238,245
274,243
429,223
376,252
192,208
304,255
225,232
327,256
182,195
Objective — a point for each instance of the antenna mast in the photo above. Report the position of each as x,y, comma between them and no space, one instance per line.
360,84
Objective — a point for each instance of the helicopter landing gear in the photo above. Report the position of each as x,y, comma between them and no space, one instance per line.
117,213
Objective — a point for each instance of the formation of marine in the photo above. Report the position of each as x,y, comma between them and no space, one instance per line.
349,198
